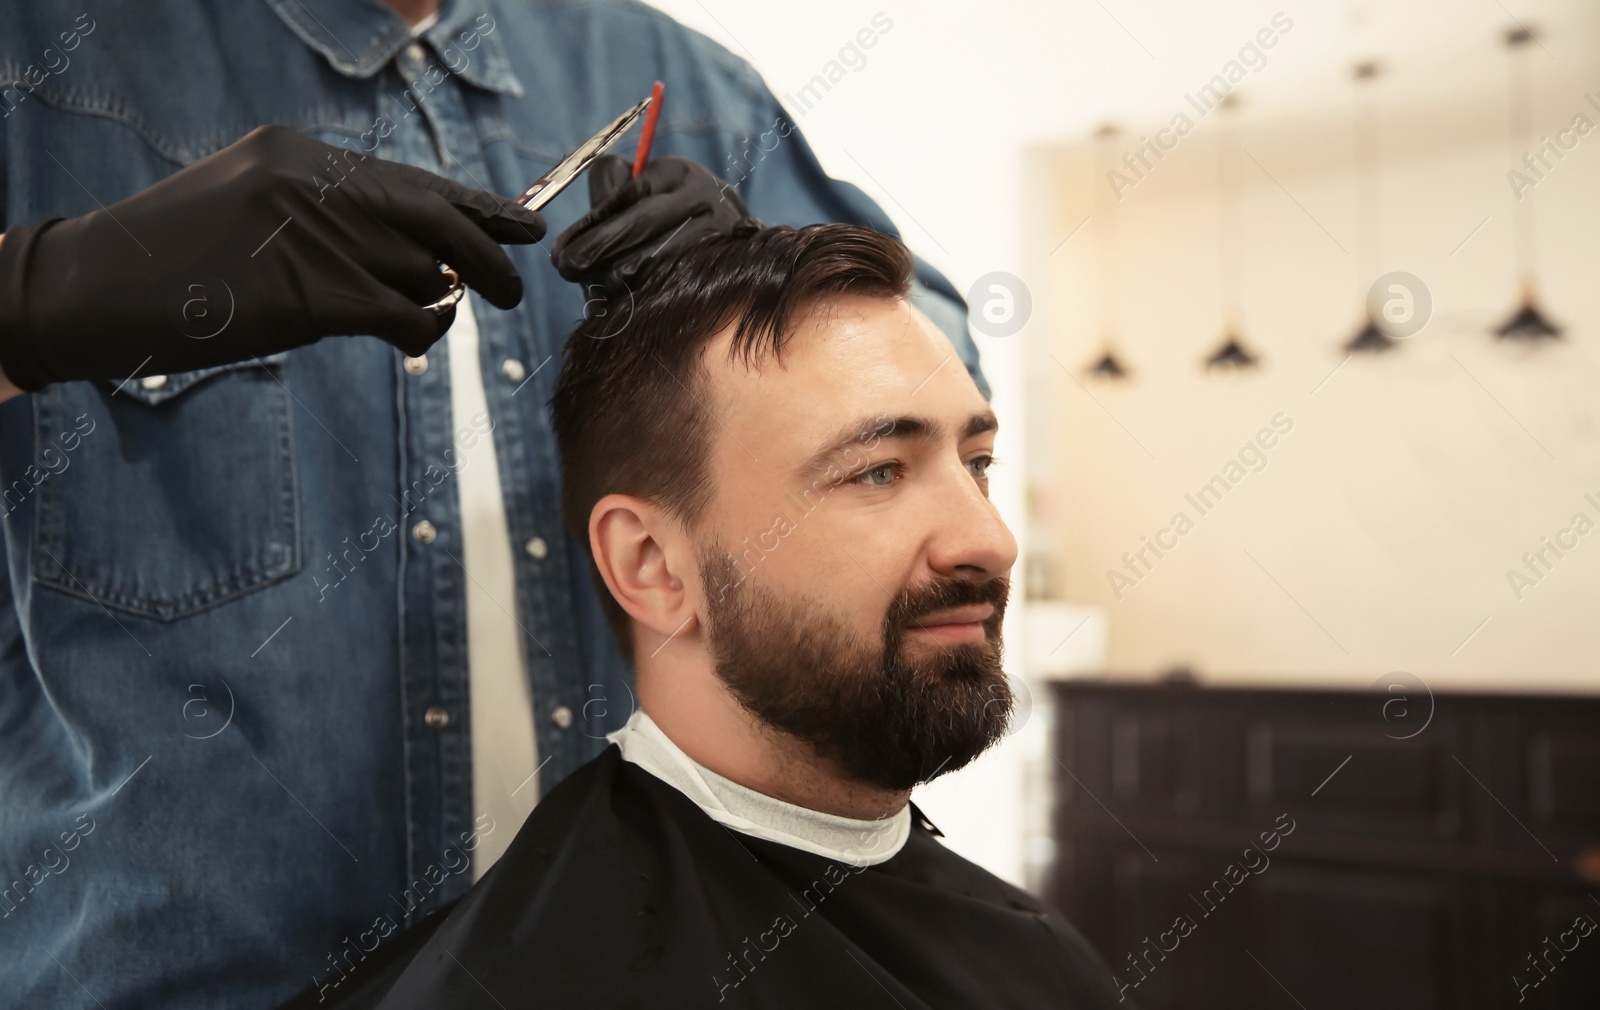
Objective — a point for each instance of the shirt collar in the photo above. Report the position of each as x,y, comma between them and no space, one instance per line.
358,37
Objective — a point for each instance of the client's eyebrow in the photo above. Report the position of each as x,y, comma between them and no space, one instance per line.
906,427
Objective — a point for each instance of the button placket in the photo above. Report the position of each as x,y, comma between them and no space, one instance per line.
430,119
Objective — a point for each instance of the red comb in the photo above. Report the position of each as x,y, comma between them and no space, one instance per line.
648,137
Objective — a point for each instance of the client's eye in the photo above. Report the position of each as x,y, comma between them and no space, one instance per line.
982,464
881,475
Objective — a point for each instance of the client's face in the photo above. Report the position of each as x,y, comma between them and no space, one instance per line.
854,570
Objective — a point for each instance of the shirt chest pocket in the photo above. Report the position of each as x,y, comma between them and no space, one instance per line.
168,495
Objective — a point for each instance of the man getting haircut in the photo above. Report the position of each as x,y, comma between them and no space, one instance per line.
782,480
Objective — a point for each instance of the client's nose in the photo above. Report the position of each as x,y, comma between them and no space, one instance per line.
966,536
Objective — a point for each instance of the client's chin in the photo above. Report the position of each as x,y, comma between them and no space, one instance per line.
889,714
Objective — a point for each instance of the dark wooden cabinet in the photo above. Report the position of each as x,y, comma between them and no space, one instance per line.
1242,849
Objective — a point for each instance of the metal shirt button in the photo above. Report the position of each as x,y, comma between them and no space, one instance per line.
153,382
415,53
436,718
537,548
417,365
561,715
424,532
513,369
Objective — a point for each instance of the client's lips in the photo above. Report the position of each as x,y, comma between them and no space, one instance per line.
963,624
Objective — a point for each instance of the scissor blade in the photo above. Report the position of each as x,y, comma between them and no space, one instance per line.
569,168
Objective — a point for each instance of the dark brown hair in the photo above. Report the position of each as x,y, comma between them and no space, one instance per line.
629,408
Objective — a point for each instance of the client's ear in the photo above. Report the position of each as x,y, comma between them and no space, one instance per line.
638,551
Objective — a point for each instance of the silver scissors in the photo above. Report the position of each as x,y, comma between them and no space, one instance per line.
548,185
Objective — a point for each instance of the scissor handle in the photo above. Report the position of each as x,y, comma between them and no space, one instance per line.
450,298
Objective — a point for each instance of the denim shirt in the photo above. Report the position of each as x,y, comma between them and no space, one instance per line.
234,736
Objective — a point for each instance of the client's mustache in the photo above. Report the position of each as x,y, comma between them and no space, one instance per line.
916,602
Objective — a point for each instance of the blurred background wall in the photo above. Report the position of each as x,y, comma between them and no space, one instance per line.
1374,536
1377,534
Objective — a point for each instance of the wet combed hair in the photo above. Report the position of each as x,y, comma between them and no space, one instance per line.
629,407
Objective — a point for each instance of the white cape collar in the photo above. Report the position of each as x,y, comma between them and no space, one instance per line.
739,808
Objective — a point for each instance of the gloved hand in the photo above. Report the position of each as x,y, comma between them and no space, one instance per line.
271,243
634,224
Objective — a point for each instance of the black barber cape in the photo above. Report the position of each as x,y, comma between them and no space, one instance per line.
619,891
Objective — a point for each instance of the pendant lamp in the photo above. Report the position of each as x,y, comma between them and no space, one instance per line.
1108,366
1369,338
1233,355
1230,356
1529,322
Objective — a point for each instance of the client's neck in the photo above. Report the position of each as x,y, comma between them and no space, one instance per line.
698,713
414,11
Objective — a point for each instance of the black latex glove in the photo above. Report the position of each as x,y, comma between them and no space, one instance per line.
634,224
271,243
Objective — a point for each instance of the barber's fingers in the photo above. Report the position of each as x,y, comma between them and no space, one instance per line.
501,218
641,230
394,317
612,190
383,294
607,174
434,223
640,216
631,266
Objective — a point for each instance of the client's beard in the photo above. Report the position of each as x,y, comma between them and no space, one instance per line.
881,716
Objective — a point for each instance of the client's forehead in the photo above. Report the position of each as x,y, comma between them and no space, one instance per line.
852,357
